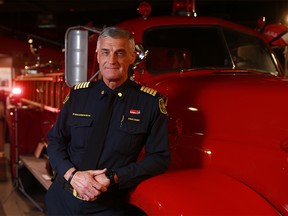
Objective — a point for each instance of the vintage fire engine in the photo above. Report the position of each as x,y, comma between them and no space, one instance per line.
227,104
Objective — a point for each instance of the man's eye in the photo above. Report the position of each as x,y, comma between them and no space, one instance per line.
105,53
120,54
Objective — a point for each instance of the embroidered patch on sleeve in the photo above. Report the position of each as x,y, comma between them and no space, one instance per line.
66,98
162,106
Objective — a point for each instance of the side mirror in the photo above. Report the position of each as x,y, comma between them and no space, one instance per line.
76,56
141,54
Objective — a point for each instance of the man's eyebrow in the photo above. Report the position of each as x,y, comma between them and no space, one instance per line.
120,50
104,49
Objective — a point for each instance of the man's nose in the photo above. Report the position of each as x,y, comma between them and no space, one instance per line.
112,58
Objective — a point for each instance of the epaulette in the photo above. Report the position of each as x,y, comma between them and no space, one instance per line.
82,85
148,90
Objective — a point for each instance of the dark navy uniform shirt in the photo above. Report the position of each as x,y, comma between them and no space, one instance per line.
139,119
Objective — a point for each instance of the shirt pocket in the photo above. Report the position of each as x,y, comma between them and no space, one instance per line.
132,136
80,129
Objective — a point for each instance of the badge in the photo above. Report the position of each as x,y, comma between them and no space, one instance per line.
162,106
134,111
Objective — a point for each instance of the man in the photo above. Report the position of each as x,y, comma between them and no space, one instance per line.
95,144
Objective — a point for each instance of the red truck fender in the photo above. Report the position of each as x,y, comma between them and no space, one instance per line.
209,193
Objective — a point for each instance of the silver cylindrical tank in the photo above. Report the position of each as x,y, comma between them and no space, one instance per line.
76,56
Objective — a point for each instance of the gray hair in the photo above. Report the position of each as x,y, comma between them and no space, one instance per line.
115,32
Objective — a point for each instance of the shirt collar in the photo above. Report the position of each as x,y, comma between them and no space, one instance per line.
119,92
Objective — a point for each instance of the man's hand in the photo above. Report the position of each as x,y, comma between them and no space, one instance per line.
87,185
101,178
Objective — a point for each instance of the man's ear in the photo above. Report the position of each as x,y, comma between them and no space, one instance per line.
97,56
134,55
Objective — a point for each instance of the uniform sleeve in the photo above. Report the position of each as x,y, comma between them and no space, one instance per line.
58,139
157,155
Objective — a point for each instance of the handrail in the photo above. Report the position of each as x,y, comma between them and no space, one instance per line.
41,106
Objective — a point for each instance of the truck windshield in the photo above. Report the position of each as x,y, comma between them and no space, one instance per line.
205,47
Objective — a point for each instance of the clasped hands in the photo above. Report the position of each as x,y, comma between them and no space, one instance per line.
90,184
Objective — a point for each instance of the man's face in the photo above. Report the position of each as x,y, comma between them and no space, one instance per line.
114,57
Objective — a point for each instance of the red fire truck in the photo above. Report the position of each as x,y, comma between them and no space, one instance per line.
226,97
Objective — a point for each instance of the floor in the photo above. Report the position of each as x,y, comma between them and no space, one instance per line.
22,196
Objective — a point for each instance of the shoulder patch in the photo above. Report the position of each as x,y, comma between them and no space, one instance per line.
162,106
148,90
82,85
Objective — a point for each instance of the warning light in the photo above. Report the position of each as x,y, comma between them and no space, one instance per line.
144,9
16,91
184,8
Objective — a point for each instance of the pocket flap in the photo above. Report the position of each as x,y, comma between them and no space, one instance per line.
77,121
